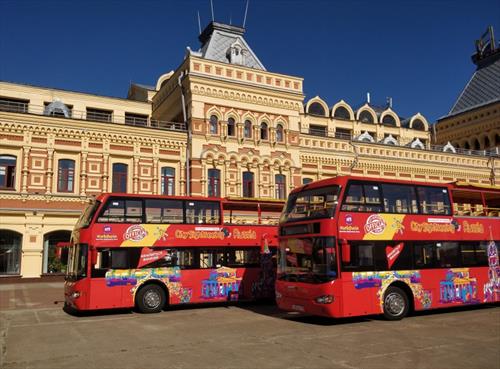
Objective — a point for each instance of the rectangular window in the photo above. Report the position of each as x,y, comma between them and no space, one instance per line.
280,182
316,130
136,119
399,199
66,175
99,115
434,200
120,172
248,179
362,197
424,255
13,105
164,211
168,181
213,183
7,172
344,134
121,211
202,212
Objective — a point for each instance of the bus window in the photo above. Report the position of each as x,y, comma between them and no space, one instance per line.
399,199
424,254
164,211
467,254
121,211
434,200
315,203
447,254
362,197
202,212
366,256
243,258
467,203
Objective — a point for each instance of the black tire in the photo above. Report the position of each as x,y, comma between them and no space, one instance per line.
150,299
396,303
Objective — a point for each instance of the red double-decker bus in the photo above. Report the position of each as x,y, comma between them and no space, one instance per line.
152,251
355,246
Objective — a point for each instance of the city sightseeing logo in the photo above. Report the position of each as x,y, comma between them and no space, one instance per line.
375,224
135,233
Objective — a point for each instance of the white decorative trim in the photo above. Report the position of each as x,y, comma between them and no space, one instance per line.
365,136
417,144
449,148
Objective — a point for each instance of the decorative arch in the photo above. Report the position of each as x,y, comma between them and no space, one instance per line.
316,102
55,258
57,108
389,140
449,148
417,144
361,114
346,107
390,118
163,78
10,252
365,137
419,123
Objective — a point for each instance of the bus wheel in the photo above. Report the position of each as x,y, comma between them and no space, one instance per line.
396,303
150,299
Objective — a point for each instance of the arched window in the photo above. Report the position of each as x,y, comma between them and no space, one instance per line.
280,181
477,145
231,127
214,124
7,172
10,252
66,176
341,113
213,183
279,133
248,129
248,184
366,117
168,181
497,139
418,125
466,145
486,142
316,109
306,180
120,177
54,257
264,134
389,120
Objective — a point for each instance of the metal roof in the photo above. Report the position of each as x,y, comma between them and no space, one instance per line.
218,38
482,89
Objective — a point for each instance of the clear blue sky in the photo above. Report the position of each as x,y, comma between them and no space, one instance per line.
417,52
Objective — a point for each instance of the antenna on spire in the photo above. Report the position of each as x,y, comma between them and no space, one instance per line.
212,8
246,11
199,22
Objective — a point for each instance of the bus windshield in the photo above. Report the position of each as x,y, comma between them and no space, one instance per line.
311,260
310,204
88,213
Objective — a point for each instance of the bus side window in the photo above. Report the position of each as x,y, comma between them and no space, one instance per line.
447,254
434,200
164,211
424,254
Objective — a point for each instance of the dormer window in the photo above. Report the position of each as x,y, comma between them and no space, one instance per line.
235,54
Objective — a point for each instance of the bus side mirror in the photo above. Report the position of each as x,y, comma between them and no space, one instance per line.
346,252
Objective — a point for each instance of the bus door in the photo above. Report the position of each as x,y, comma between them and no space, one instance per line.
107,281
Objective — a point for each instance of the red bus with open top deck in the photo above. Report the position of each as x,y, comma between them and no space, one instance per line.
150,251
354,246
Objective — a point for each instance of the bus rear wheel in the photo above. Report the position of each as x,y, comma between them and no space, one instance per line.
396,304
150,299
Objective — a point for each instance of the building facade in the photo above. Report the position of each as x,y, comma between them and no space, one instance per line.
473,123
219,125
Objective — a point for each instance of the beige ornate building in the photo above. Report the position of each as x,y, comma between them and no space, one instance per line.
219,125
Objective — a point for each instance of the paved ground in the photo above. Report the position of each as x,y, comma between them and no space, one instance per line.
36,333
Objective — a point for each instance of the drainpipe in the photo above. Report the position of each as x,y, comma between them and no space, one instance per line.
188,126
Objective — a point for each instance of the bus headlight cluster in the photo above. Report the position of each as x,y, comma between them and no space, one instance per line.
75,295
325,299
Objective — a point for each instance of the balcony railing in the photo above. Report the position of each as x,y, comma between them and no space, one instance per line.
95,116
492,152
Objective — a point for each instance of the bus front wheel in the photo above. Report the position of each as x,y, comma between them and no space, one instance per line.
151,299
396,304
